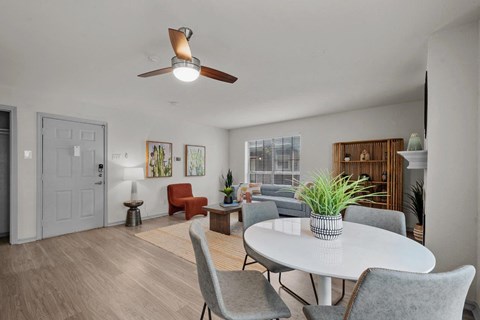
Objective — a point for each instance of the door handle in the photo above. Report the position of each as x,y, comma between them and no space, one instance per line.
99,182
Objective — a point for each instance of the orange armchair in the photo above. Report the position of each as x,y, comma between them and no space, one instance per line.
180,198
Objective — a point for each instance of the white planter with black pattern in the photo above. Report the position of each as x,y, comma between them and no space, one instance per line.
326,227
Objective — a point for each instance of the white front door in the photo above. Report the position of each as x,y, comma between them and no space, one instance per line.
73,159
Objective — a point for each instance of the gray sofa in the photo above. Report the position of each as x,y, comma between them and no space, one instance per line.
286,203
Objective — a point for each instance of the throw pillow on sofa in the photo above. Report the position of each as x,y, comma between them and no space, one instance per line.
298,195
255,188
241,190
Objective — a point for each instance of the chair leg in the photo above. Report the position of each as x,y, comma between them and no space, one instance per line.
203,310
245,262
268,275
209,314
343,293
293,294
314,288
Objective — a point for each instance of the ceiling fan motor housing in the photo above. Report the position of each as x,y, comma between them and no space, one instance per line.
179,63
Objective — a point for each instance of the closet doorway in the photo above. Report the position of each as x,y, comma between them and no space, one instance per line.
8,174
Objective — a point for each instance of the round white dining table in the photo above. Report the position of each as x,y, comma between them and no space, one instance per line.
290,242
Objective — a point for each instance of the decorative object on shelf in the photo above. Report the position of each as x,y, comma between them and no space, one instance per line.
327,198
414,143
133,174
348,157
195,160
228,189
415,207
133,214
364,176
158,159
416,159
384,176
364,156
383,158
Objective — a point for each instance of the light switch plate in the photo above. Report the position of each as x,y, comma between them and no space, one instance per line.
27,154
76,151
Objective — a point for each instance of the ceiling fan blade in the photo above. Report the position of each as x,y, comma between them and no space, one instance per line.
217,75
156,72
180,44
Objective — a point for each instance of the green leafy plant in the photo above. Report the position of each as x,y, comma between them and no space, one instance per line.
415,201
328,195
227,191
228,181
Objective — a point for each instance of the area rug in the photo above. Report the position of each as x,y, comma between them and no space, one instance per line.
227,251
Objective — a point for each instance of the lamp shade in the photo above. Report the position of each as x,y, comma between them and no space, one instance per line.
133,174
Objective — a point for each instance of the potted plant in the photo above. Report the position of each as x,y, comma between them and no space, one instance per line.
228,189
327,196
415,206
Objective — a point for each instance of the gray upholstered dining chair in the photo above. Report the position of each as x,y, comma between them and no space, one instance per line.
389,220
395,295
234,295
257,212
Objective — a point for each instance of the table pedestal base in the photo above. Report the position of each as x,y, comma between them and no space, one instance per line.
324,289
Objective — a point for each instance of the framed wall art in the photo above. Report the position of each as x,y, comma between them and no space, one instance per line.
158,159
195,160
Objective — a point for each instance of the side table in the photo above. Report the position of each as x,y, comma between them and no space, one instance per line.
133,214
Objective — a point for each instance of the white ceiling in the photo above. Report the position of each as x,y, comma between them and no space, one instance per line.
293,59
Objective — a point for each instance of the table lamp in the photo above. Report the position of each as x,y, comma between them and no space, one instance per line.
133,174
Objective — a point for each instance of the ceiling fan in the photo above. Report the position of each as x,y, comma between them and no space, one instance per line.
185,67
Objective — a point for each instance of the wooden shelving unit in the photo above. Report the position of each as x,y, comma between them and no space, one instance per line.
383,158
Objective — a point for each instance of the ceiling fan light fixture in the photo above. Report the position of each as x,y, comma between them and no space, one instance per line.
185,70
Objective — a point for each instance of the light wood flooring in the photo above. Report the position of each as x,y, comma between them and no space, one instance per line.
109,273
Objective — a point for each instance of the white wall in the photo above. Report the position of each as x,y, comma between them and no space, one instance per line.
319,133
478,172
127,133
452,178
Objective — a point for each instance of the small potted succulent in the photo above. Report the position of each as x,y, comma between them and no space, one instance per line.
228,189
415,206
327,196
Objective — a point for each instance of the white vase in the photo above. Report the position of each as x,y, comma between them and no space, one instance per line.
326,227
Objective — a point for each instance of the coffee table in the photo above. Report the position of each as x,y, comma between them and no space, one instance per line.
220,217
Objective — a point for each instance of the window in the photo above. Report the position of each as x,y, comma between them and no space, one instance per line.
274,161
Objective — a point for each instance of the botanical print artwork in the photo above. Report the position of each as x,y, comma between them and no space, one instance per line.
158,159
194,160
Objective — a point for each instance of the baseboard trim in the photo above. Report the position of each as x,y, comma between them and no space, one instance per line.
117,223
111,224
156,216
473,307
26,240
